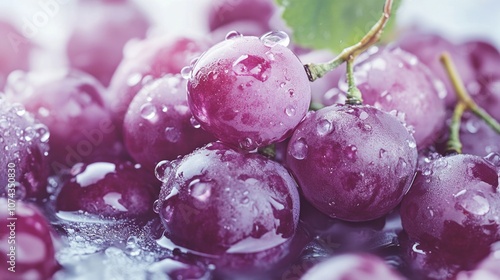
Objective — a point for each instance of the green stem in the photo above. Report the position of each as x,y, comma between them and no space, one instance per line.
353,94
315,71
463,95
454,145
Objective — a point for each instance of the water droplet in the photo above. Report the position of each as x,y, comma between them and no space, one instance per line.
400,168
270,55
44,112
251,65
18,109
134,79
291,92
194,122
412,144
233,35
201,190
164,108
274,38
472,125
415,248
132,248
366,127
363,115
163,169
351,152
43,132
299,149
245,200
29,133
282,84
381,153
324,127
493,158
148,111
172,134
77,169
379,63
290,111
474,202
156,206
248,144
186,72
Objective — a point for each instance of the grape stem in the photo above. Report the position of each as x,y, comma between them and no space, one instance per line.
463,96
315,71
454,145
354,96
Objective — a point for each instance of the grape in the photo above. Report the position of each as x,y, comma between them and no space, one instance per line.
220,202
353,267
24,145
452,208
107,189
30,236
102,28
485,60
159,125
486,270
178,267
392,79
223,12
144,61
14,51
428,48
337,155
71,106
249,92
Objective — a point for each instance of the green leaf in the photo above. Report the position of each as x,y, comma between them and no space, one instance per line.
332,24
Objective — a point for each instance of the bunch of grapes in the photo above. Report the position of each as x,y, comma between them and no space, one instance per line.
209,157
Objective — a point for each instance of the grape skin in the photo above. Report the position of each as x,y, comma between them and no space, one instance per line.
353,163
247,94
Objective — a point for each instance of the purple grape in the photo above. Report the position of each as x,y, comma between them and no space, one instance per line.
144,61
178,267
392,79
107,189
246,27
353,267
452,208
223,12
485,60
337,155
24,145
249,92
14,51
428,48
159,125
486,270
72,107
101,30
220,202
27,245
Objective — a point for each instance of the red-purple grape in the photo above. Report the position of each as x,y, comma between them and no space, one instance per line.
353,267
159,125
392,79
27,246
219,201
353,163
108,189
24,143
428,48
14,51
453,208
249,92
144,61
223,12
101,30
72,107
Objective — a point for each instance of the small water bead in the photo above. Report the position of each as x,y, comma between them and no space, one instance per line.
233,34
381,153
401,167
194,122
299,149
274,38
148,111
201,190
29,133
493,158
248,144
411,144
43,132
472,125
163,169
324,127
134,79
186,72
18,109
473,202
156,206
351,152
291,92
172,134
290,111
132,248
270,55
